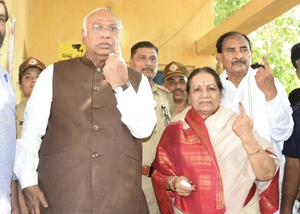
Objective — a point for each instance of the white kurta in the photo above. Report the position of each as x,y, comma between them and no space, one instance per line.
272,120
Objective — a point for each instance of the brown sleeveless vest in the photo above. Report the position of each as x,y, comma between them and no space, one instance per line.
89,161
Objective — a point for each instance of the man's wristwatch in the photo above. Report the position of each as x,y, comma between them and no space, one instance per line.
120,89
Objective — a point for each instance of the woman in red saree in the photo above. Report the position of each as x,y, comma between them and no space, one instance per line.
231,168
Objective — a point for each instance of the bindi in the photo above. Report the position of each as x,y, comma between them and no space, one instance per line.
203,84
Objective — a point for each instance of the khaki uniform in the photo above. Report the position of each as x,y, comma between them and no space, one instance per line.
175,112
20,108
164,98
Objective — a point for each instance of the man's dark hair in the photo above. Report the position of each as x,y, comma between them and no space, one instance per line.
143,44
294,96
6,13
295,54
257,65
221,39
204,70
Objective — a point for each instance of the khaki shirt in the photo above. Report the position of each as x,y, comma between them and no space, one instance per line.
20,108
164,109
175,112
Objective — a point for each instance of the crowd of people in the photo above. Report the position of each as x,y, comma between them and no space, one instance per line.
95,136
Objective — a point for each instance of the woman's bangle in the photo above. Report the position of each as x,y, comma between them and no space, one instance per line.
170,183
256,151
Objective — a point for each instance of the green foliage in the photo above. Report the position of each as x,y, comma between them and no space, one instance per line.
225,8
273,40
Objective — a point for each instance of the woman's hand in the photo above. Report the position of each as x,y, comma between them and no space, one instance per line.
261,163
181,189
243,125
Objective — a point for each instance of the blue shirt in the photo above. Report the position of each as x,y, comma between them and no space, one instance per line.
7,138
291,147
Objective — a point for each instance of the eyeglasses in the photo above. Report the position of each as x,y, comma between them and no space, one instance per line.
165,112
96,28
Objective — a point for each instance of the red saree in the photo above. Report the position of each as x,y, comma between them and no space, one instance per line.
197,161
186,149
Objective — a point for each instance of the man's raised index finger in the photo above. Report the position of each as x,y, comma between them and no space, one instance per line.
118,51
266,63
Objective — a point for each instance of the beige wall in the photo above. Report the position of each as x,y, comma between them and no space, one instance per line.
172,27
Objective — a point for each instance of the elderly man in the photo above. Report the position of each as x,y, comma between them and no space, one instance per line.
144,60
263,95
91,112
7,125
175,79
291,151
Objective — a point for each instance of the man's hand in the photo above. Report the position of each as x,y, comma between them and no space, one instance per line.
33,197
115,69
15,209
265,81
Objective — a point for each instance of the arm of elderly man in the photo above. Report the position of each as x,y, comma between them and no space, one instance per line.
137,110
278,105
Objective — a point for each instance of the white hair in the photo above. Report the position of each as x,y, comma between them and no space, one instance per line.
120,26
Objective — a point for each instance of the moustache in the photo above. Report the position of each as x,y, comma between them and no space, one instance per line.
147,68
178,90
239,61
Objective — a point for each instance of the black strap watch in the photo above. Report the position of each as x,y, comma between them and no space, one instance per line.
120,89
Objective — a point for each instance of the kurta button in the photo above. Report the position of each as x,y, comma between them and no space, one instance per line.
96,88
98,70
96,128
95,155
95,106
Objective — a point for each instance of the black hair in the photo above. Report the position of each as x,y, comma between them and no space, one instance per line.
143,44
204,70
294,96
221,39
295,54
20,78
257,65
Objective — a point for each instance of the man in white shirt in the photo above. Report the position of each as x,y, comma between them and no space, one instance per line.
90,113
7,125
262,94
